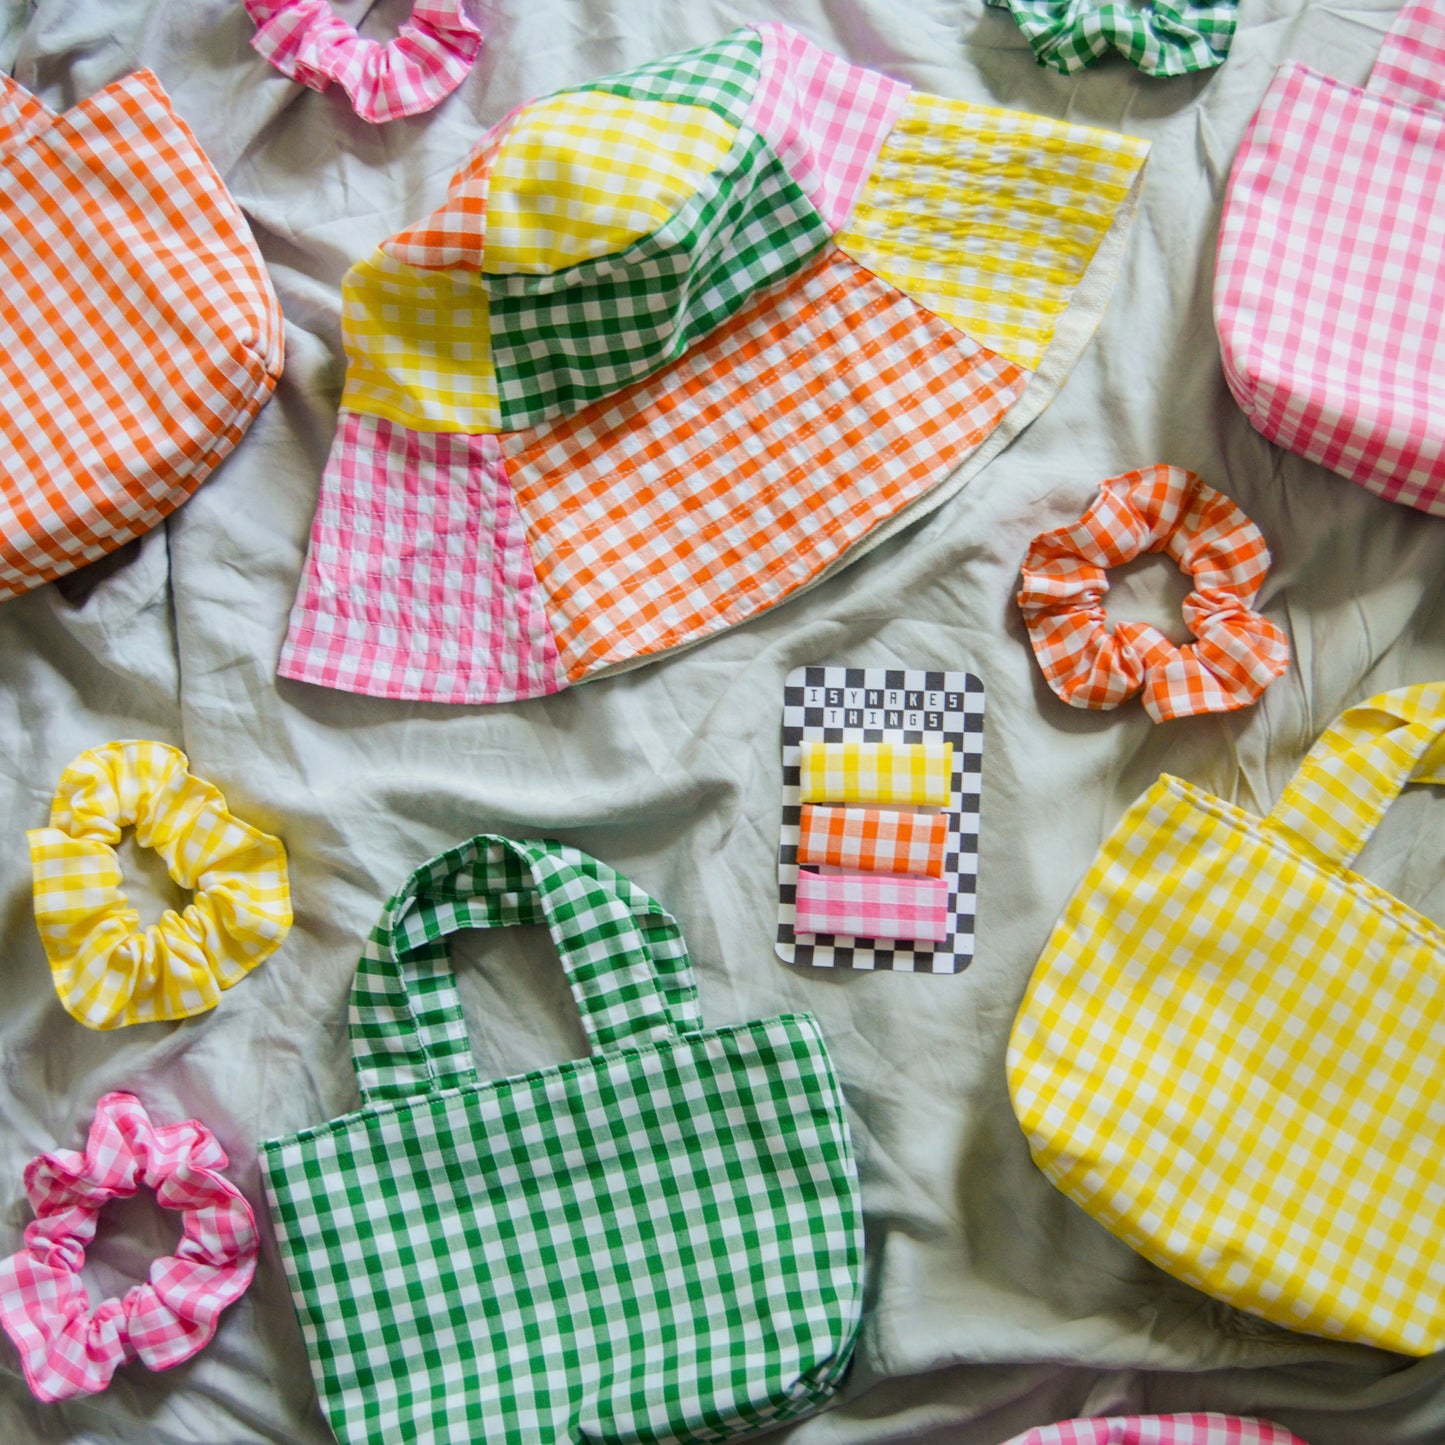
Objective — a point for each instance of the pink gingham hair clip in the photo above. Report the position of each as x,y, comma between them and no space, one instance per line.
67,1348
430,57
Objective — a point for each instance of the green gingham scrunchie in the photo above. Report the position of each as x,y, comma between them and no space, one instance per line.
1160,38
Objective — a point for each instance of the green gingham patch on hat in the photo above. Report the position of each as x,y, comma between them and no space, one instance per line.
721,76
661,1242
563,340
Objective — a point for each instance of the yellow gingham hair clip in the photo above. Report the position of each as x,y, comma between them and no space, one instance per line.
919,773
107,971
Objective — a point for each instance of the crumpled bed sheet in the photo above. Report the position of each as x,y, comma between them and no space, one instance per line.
993,1303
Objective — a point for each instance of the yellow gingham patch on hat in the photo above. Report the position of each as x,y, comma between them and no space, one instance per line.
585,174
990,218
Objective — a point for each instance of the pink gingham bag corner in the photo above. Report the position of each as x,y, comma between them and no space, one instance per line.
1330,278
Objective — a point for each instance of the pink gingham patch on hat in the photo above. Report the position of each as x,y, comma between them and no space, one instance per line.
68,1349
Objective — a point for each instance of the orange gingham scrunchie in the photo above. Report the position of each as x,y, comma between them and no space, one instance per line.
1236,653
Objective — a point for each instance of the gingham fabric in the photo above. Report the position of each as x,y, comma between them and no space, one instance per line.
722,76
1232,1050
747,228
826,120
1161,38
362,624
703,495
429,377
66,1347
431,55
1044,199
140,334
699,304
919,773
1408,65
1199,1429
109,971
602,1250
868,905
588,142
1329,277
448,237
873,840
1236,653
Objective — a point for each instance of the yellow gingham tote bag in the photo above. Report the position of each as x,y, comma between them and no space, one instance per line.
1232,1051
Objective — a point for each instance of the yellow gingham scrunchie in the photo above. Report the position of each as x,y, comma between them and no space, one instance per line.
108,972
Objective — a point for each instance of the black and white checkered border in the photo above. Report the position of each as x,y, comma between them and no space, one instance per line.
962,725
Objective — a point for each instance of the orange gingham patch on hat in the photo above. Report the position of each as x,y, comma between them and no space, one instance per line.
697,497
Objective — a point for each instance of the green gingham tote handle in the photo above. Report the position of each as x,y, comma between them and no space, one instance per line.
624,956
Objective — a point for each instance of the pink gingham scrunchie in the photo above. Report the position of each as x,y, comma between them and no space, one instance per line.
429,58
1200,1429
1236,653
68,1349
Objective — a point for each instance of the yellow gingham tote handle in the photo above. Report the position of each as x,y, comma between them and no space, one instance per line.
623,954
1358,767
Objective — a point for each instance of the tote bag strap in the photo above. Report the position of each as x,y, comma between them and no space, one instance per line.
624,957
1357,768
1411,64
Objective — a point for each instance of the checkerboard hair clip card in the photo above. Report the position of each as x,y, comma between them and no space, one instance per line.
878,858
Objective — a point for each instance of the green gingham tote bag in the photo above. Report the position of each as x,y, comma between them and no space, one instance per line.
660,1242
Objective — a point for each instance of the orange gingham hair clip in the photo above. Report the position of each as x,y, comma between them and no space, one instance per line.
1236,653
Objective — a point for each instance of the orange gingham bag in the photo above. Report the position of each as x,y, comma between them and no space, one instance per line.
140,333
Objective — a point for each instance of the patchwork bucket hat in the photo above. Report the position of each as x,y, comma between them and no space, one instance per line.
677,345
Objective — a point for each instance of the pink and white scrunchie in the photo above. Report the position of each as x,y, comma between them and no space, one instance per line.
430,57
1236,653
68,1349
1197,1429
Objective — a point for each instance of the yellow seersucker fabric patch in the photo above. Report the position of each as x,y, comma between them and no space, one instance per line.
989,218
920,773
418,344
586,174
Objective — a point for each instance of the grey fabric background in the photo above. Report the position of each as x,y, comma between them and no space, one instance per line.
993,1303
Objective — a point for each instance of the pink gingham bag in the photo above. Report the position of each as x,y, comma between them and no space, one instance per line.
1198,1429
1329,289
